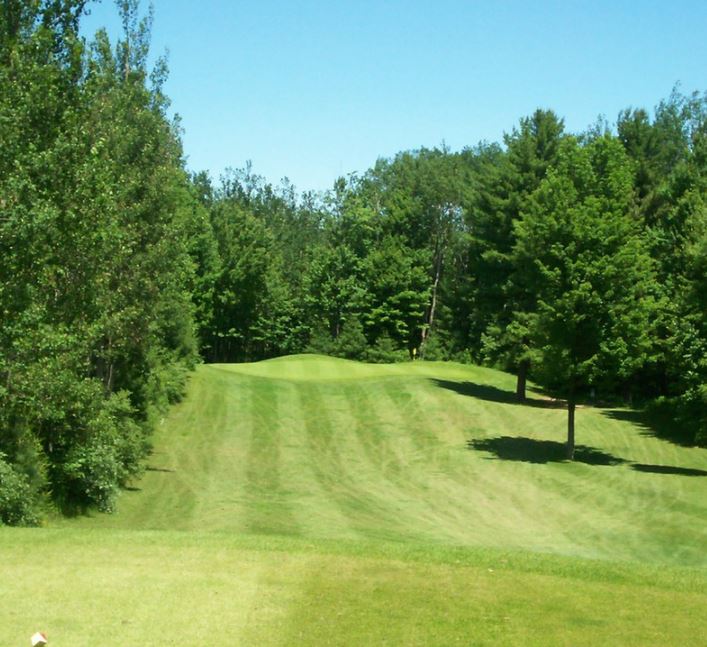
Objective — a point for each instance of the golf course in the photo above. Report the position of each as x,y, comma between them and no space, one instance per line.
309,500
352,324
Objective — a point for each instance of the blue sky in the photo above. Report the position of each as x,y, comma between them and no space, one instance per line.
316,89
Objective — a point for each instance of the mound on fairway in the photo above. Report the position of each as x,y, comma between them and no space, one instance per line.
315,501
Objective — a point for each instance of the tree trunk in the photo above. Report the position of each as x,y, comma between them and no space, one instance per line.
522,379
570,428
433,305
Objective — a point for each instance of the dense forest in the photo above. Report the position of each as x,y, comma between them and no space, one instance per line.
576,260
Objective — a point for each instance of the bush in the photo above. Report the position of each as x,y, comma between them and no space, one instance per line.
352,342
91,471
321,342
166,380
110,453
385,352
436,347
16,500
131,442
693,411
682,418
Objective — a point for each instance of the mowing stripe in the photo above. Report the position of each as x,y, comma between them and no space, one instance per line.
322,448
269,510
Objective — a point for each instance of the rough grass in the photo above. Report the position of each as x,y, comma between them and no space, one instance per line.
310,500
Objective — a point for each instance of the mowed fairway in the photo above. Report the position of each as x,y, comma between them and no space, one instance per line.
309,500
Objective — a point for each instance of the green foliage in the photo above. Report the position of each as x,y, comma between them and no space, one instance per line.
582,255
502,305
420,198
90,474
257,249
682,419
16,497
351,342
694,410
398,291
320,341
669,154
112,447
335,285
96,327
582,260
384,351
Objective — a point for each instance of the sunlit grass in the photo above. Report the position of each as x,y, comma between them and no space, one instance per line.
314,501
116,588
428,452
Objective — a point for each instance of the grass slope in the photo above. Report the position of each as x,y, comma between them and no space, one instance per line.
311,501
325,448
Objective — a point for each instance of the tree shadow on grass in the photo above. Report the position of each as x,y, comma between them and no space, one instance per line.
494,394
73,509
151,468
655,426
529,450
666,469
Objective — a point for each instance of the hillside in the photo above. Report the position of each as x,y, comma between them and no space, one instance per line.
427,452
314,501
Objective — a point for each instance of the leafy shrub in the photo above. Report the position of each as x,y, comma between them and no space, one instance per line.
131,442
112,448
321,342
384,351
682,418
166,383
352,342
16,500
436,347
693,411
91,473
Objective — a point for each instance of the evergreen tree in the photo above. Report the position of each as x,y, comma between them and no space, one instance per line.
506,181
580,251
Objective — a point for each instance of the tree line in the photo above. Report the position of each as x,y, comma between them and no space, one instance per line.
576,260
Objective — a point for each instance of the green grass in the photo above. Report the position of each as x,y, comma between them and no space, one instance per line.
309,500
87,587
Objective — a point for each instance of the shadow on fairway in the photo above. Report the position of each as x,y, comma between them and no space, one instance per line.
654,426
493,394
529,450
150,468
666,469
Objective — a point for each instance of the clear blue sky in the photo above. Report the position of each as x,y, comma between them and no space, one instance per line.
316,89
